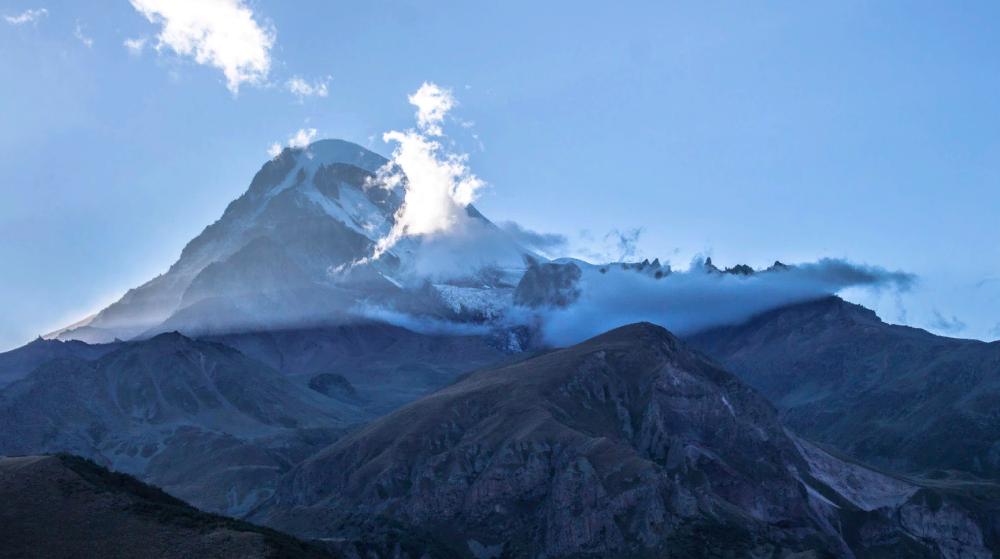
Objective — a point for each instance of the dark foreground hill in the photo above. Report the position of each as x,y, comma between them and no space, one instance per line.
891,395
627,445
67,507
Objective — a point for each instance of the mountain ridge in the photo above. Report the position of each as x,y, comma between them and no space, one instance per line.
198,418
888,394
624,445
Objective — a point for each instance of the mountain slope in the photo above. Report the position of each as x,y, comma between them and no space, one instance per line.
296,199
200,419
891,395
102,514
624,445
387,365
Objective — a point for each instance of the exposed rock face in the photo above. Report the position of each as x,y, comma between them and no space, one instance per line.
625,445
891,395
334,386
199,419
548,285
64,506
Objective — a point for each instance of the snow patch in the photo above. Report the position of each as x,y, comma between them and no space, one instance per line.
819,496
491,303
364,213
332,209
728,406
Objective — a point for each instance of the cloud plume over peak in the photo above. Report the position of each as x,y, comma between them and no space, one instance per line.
433,103
438,185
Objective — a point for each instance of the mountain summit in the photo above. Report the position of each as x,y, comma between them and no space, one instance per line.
283,254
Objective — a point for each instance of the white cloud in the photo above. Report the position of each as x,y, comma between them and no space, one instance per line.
301,139
78,33
432,103
438,185
302,89
135,46
27,16
219,33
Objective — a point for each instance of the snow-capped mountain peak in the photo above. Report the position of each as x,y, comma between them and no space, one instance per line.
285,251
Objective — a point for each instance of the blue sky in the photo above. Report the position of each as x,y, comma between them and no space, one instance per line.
745,131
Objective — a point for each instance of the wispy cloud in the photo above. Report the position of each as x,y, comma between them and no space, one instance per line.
302,89
300,139
79,34
987,282
626,242
546,243
432,103
947,325
27,16
617,245
221,33
135,46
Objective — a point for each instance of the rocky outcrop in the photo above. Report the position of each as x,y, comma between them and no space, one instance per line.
334,386
550,284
